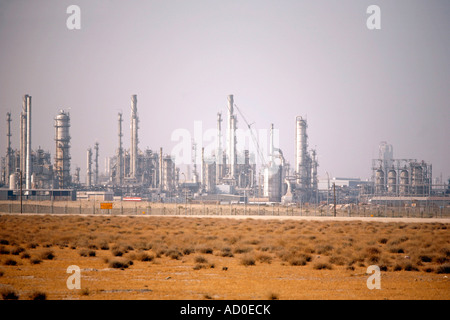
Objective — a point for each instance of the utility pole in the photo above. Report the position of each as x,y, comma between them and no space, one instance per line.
20,174
334,195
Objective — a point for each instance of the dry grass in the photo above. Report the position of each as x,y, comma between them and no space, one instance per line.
262,250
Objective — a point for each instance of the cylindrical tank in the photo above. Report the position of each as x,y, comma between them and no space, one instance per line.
379,181
272,183
13,181
62,155
404,182
392,181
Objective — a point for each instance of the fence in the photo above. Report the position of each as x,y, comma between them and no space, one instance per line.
151,208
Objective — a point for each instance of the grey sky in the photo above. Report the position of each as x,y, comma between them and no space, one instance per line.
280,59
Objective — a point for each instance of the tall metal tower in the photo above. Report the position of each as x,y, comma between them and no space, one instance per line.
134,137
62,155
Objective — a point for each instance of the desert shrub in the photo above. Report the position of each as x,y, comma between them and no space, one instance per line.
174,254
273,296
117,252
264,258
297,261
322,265
226,252
337,260
373,251
17,250
32,245
396,250
240,249
120,264
324,249
200,259
47,255
9,294
38,295
143,256
104,245
248,261
383,240
440,259
35,260
188,251
199,266
25,255
409,266
10,262
443,268
205,250
3,250
87,253
4,241
425,258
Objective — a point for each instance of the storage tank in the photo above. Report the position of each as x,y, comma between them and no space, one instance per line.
379,181
404,182
13,181
392,181
272,183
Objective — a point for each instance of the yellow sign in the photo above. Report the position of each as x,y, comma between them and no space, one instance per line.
106,205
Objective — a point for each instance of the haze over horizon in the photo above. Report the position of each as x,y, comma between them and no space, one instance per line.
280,59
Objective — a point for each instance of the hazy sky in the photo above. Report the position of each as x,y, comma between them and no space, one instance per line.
280,59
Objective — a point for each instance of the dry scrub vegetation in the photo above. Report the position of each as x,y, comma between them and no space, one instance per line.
190,258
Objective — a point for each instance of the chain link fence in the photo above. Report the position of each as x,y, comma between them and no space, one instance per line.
151,208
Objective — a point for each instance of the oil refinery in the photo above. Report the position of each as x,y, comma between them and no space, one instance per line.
228,174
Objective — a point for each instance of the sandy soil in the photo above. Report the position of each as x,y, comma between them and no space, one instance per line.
176,271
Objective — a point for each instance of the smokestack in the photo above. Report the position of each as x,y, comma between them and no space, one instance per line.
161,182
120,172
8,169
271,150
96,164
134,136
28,146
219,159
89,168
203,168
231,136
23,137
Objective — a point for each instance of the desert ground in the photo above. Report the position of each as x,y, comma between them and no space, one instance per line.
256,258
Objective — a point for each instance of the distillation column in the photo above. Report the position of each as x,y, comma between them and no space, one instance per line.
120,172
96,164
62,154
29,165
89,168
300,151
134,137
231,150
8,169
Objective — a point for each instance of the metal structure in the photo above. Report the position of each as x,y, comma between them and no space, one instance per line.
96,164
8,161
89,168
134,138
62,154
400,177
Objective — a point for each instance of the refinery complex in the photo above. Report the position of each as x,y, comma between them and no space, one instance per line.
225,175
